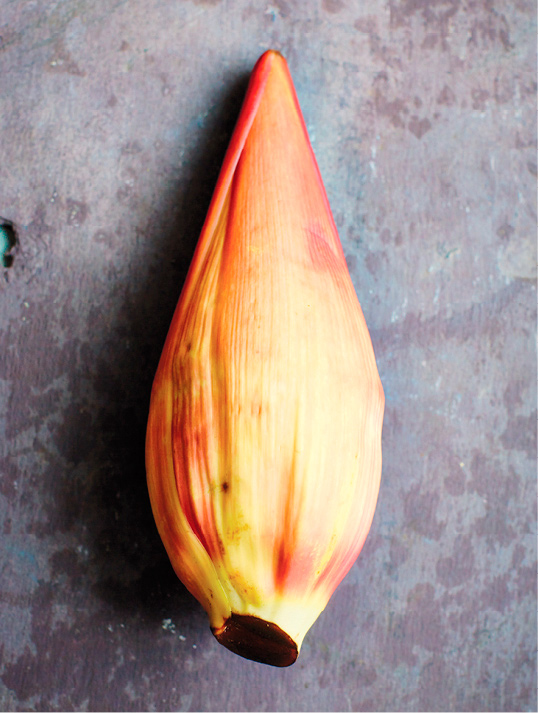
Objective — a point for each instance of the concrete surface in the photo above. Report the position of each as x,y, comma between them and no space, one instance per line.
115,115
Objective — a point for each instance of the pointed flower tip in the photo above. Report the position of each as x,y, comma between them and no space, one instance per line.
268,58
268,62
271,70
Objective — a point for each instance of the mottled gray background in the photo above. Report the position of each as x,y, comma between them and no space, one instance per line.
115,115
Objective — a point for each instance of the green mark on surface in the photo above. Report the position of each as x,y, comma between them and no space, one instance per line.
8,240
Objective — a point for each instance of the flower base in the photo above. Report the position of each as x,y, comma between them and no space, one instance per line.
256,639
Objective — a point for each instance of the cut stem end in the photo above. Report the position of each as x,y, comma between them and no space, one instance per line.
256,639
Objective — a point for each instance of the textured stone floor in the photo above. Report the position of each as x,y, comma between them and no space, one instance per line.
114,118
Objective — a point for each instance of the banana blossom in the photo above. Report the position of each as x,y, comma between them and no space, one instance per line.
263,449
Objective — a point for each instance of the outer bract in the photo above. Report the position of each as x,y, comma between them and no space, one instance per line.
264,434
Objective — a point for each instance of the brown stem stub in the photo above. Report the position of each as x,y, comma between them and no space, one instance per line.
256,639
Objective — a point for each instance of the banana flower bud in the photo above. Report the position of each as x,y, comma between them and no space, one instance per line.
263,448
